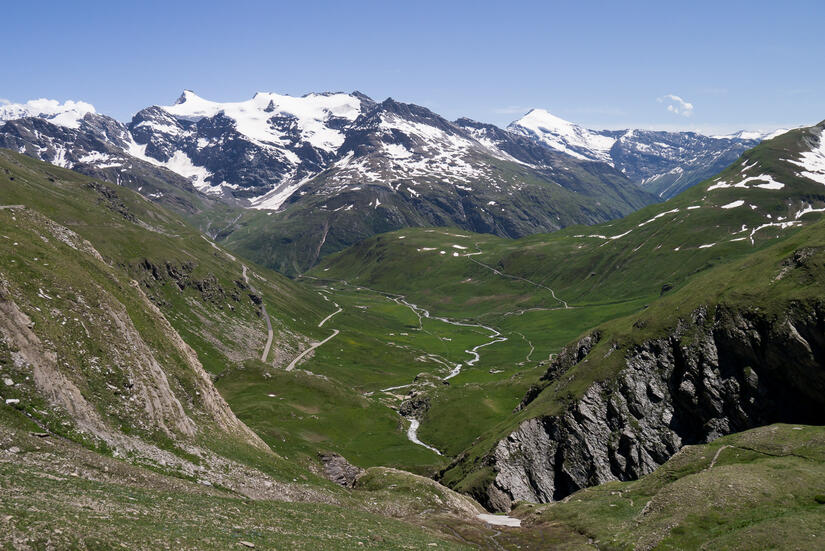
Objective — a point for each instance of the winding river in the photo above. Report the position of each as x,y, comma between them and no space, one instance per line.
495,337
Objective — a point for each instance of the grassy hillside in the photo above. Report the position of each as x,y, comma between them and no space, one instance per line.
112,316
761,489
57,495
730,215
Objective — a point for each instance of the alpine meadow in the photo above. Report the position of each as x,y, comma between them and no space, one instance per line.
447,319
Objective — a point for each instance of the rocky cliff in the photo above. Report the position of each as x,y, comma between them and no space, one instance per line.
720,371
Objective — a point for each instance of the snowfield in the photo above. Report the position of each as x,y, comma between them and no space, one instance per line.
311,113
67,114
813,162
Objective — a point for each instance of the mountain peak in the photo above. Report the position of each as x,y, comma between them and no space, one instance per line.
186,95
544,119
564,135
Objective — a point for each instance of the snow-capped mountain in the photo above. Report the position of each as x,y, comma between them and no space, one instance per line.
319,172
73,135
67,114
564,136
262,146
663,163
402,165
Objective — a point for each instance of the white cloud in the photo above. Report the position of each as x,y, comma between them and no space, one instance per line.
677,105
4,101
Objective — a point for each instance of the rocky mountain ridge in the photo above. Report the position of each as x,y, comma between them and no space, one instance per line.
319,172
661,162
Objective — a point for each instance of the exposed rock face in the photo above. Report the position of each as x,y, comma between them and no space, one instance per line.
416,406
101,147
339,470
718,373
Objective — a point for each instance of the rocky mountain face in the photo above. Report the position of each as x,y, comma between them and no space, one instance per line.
663,163
319,172
95,145
401,165
739,369
257,150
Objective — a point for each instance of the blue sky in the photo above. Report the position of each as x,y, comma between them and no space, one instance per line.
754,65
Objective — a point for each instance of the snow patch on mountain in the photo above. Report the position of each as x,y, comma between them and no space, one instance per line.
273,200
179,163
253,117
769,183
67,114
813,161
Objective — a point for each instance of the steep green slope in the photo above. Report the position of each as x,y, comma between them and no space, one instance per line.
112,314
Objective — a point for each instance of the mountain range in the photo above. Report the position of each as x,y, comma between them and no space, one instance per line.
288,180
646,380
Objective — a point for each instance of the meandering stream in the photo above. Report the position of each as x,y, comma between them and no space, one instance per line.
495,336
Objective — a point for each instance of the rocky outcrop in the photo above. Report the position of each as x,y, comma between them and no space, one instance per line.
150,274
339,470
415,407
719,372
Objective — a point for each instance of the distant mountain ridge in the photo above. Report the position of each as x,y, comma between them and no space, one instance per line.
661,162
307,176
262,149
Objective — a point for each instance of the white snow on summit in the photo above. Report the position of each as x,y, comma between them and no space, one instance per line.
251,117
66,114
564,136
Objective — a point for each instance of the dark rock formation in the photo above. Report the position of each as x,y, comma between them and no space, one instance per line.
719,372
415,406
339,470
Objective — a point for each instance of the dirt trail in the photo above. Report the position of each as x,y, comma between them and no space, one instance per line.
266,317
716,457
294,362
329,317
335,332
539,285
